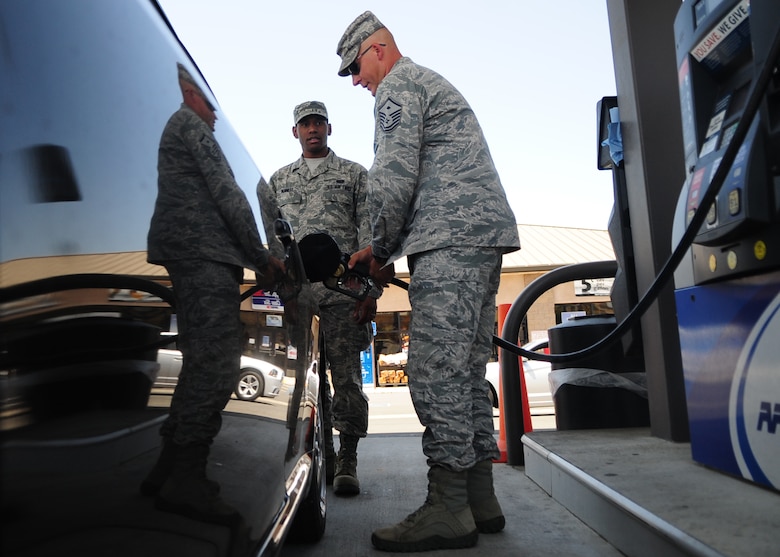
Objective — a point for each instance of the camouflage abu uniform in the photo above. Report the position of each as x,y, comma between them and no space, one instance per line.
435,196
204,233
331,199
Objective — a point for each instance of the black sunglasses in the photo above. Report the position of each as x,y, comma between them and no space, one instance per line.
354,67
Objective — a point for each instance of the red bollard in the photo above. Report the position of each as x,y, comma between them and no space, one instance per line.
503,309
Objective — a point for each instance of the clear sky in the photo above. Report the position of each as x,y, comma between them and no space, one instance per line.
532,71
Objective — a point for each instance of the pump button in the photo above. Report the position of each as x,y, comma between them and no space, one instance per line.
712,214
759,250
731,259
735,202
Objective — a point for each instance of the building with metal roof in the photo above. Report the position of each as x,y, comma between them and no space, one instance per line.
544,248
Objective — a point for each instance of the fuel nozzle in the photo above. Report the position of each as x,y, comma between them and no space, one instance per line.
325,262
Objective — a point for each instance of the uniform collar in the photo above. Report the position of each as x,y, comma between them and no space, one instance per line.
326,163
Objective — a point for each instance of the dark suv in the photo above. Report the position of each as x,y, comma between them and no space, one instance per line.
86,87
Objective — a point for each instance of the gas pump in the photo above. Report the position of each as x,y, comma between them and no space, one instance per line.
727,288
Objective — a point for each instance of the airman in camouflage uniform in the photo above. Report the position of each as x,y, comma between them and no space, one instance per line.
435,197
323,193
204,233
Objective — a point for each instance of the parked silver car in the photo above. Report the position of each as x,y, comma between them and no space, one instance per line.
257,377
536,374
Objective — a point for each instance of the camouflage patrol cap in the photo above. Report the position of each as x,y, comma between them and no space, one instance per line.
186,77
309,108
358,31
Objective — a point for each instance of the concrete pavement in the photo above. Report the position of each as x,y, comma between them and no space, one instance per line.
392,473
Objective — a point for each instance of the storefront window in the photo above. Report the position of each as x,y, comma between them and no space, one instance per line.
265,338
392,346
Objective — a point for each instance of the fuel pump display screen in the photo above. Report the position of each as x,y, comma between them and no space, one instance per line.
737,104
738,99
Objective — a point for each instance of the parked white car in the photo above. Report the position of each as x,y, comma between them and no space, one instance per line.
257,377
536,377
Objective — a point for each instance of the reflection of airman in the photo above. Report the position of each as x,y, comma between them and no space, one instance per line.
321,192
204,233
435,197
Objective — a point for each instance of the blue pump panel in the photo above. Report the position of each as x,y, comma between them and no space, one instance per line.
730,338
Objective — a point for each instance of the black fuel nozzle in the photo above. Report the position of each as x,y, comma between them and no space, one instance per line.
355,282
325,262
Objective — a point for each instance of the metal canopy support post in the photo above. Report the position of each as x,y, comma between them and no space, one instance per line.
643,49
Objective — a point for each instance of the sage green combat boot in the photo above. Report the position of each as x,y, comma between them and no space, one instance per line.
482,499
345,481
443,522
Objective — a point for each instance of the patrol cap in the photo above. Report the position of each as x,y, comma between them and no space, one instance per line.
186,77
358,31
309,108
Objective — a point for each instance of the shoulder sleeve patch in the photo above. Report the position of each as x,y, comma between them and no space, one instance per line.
389,115
210,146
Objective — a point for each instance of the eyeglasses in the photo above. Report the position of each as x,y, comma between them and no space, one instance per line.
354,67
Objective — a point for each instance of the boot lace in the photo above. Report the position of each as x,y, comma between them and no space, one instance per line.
412,518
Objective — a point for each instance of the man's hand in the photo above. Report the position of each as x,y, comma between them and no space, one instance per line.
271,275
380,272
365,310
364,255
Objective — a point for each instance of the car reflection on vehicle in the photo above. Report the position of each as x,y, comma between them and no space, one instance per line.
257,377
536,375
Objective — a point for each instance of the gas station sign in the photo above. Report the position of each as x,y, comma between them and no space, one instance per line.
593,287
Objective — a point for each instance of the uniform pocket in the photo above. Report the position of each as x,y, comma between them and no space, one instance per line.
339,196
289,198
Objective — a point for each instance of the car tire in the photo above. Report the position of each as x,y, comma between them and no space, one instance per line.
309,523
493,396
250,385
